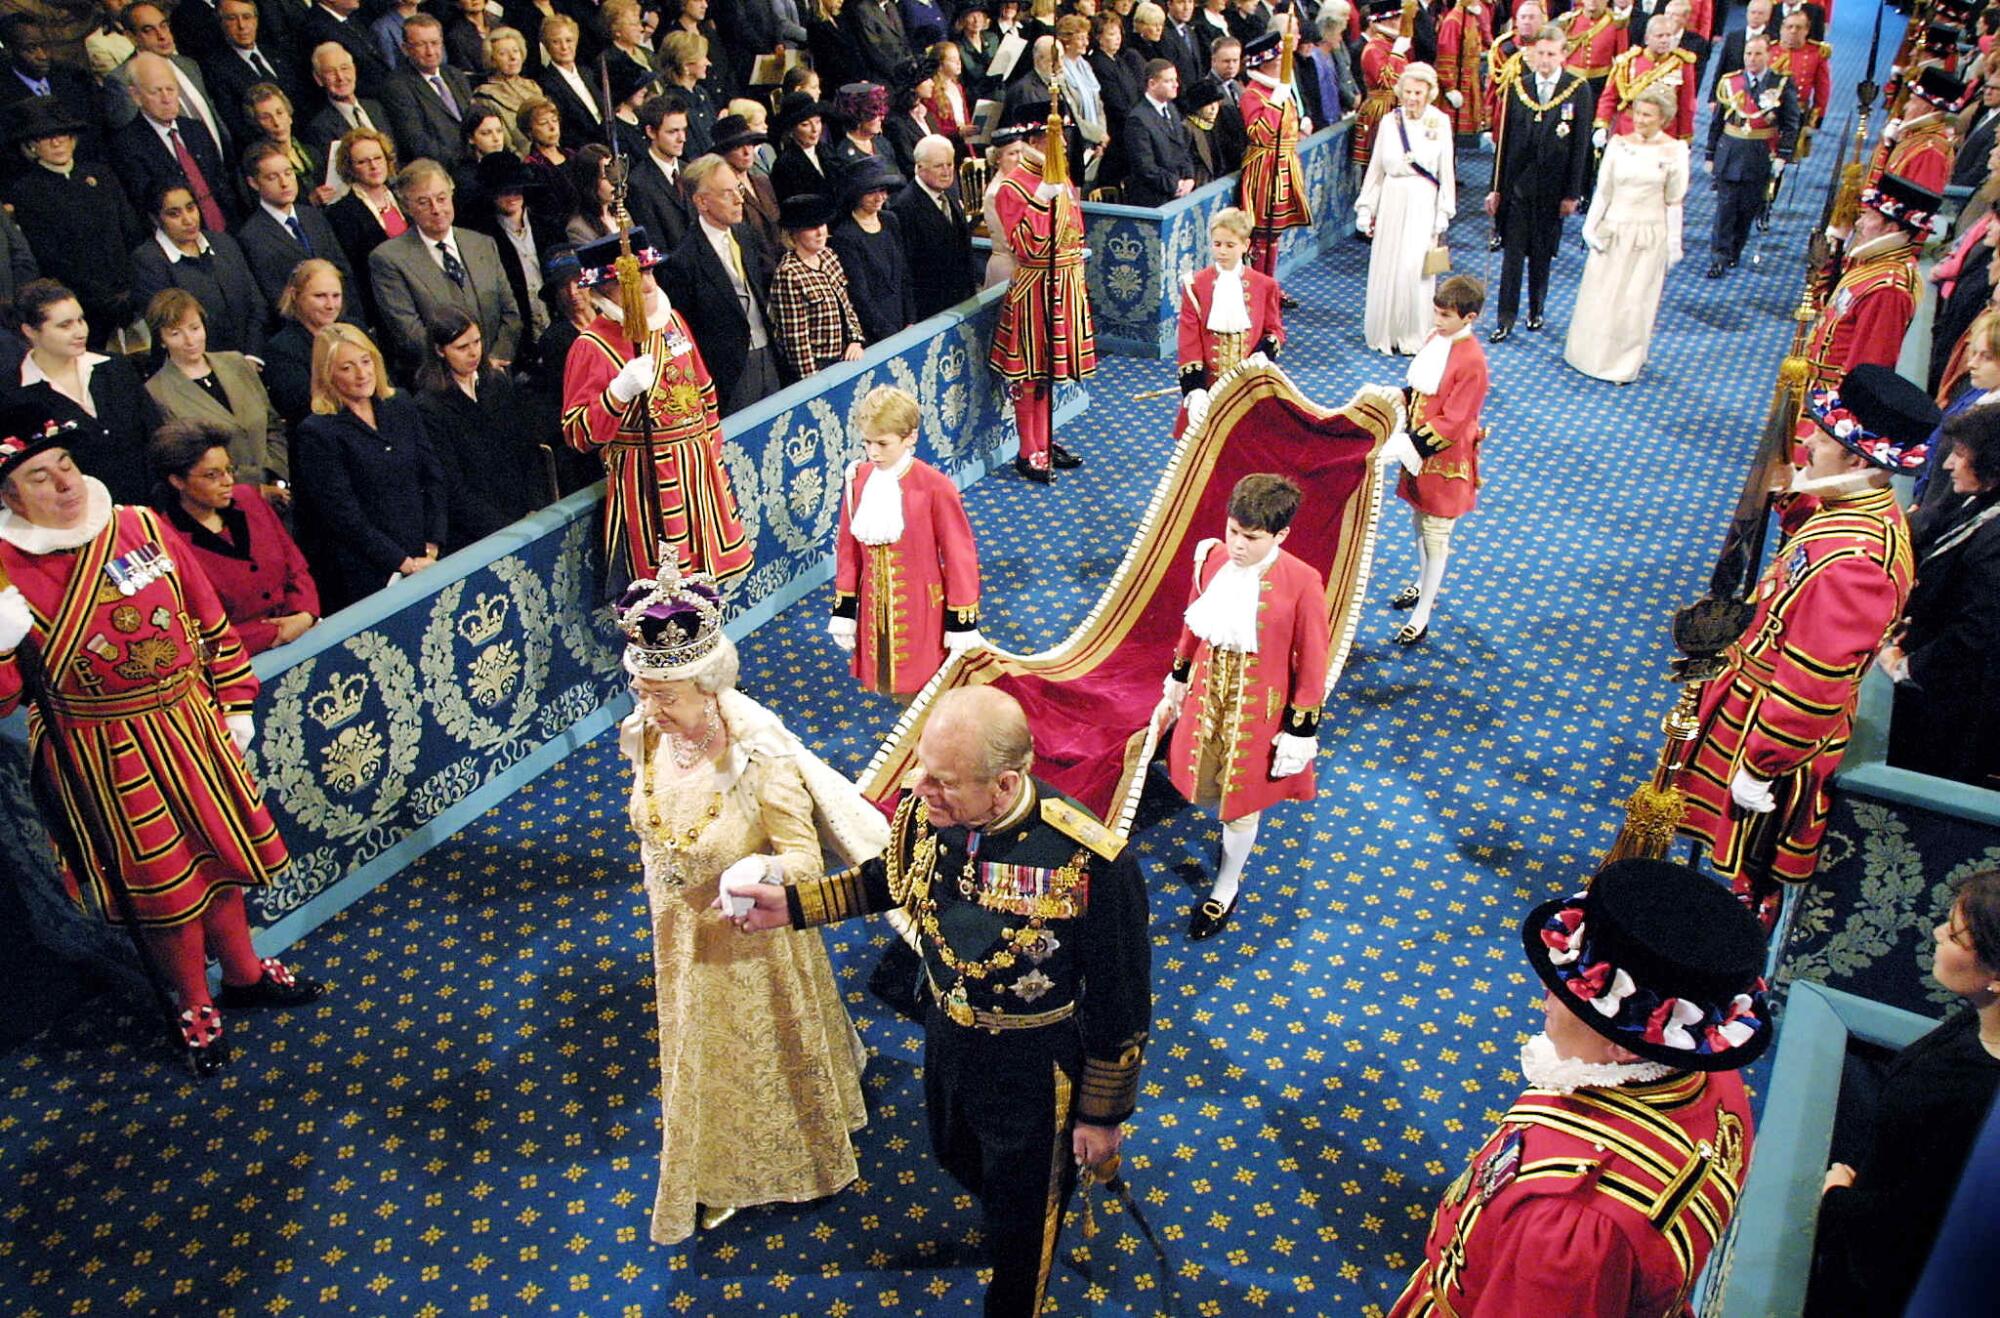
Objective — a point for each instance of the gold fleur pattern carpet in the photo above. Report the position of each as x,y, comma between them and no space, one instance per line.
468,1124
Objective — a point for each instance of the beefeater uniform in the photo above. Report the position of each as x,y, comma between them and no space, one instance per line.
1464,36
1273,183
142,683
1381,69
1445,428
1023,353
1810,67
905,597
1784,706
1635,71
1242,701
1924,151
695,510
1204,354
1602,1203
1036,977
1866,316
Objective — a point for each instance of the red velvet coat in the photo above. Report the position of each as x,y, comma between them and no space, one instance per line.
1866,317
1556,1213
1445,426
254,566
1283,685
1810,68
1634,72
1196,345
905,596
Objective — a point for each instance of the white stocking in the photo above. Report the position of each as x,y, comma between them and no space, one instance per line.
1423,559
1238,836
1434,539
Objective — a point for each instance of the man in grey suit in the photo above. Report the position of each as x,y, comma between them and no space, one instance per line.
427,100
433,265
279,232
146,23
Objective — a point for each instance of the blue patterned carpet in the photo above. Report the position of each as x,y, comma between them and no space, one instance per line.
469,1125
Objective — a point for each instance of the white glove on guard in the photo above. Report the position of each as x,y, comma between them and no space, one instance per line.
242,730
633,379
16,619
1752,793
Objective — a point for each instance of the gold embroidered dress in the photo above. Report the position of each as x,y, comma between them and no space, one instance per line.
751,1029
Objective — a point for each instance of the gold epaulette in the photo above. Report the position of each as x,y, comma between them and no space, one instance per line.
1081,827
1825,49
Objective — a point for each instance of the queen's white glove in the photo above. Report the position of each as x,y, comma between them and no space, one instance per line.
16,619
1596,241
633,379
1457,99
1752,793
1197,407
1399,447
748,872
1599,137
972,640
842,631
242,730
1290,755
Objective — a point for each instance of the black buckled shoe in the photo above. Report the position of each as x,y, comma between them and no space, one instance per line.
1062,459
1406,598
1494,241
1535,321
1209,918
1716,269
1287,302
201,1030
279,988
1409,635
1029,471
1502,334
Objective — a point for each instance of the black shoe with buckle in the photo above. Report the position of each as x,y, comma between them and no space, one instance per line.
201,1030
1717,269
1406,598
1494,241
1535,321
1029,471
1062,459
1412,635
1502,334
279,988
1209,918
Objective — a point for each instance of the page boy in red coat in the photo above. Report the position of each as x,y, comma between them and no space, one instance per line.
1248,677
1229,312
1440,449
906,573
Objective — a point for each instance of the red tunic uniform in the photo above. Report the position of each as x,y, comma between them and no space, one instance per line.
1273,183
1504,63
1784,706
1445,428
1923,152
1810,67
1593,44
1463,37
695,510
1866,316
1381,69
904,596
1604,1203
1634,72
1203,355
143,712
1237,704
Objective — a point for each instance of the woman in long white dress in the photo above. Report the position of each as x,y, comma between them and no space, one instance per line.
1405,206
752,1031
1634,234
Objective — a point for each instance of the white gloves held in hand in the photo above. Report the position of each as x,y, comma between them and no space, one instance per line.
745,873
242,730
1290,755
842,631
1197,407
1172,694
633,379
1457,99
16,619
1600,137
1400,448
1752,793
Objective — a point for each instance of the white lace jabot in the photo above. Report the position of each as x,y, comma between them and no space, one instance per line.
878,518
1225,614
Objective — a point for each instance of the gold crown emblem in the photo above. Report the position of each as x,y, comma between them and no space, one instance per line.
340,702
485,620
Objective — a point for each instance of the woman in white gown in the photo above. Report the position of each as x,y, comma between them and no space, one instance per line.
1405,205
1634,234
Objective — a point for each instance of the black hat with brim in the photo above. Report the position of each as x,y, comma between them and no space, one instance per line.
1940,86
1205,92
1262,48
795,109
599,257
732,131
805,210
872,176
1660,959
503,171
26,431
1878,415
37,117
1022,120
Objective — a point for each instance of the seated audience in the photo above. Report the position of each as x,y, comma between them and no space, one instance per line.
811,312
220,389
483,134
869,242
279,233
242,547
506,88
479,433
521,235
371,495
270,112
590,180
466,33
211,266
102,395
1877,1219
568,85
314,298
625,33
541,123
57,197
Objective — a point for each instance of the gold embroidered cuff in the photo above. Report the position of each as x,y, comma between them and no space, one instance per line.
1300,721
822,901
846,605
1110,1088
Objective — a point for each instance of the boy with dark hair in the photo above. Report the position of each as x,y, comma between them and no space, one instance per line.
1439,449
1253,654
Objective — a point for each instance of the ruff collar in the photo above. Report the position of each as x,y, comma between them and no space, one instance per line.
25,536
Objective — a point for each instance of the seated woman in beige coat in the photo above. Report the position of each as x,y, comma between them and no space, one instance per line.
221,388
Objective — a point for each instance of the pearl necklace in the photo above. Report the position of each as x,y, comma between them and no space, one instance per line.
686,752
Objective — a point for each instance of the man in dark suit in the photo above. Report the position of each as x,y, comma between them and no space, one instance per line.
1976,134
146,23
242,61
722,296
30,74
936,233
1160,39
655,196
165,143
1751,134
878,29
1542,165
197,26
1729,57
335,20
279,232
1228,138
345,108
427,100
1159,153
56,198
433,265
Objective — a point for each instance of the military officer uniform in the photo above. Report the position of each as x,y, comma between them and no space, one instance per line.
1036,974
1756,123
